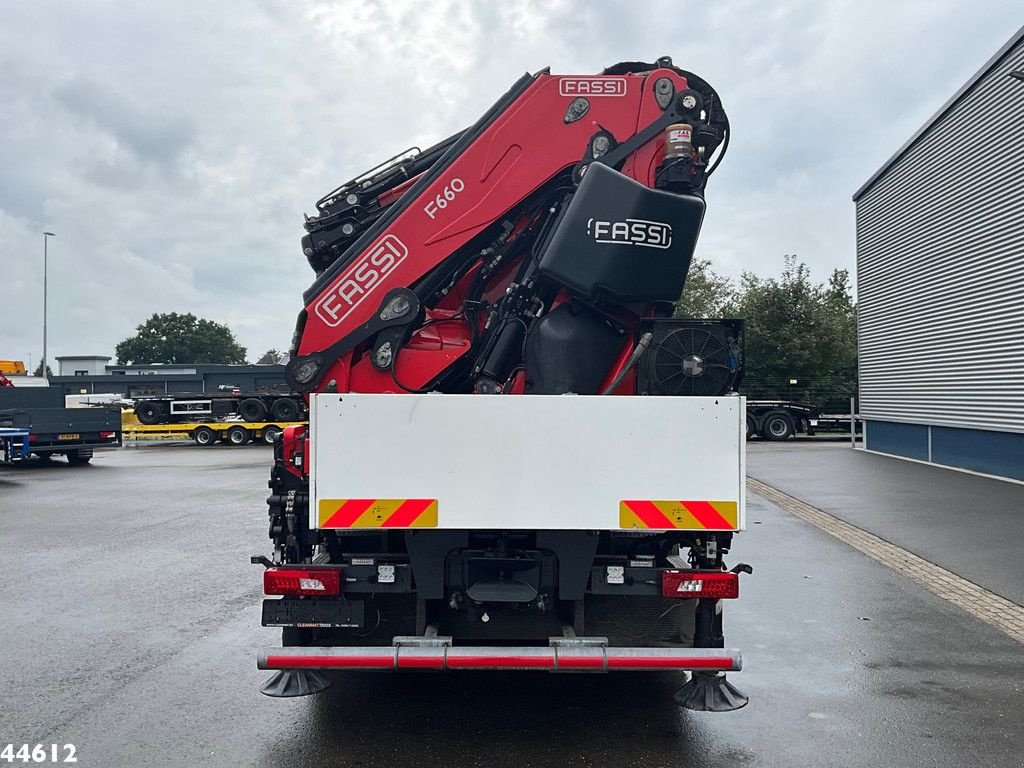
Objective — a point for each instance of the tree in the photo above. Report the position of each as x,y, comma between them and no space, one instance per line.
175,338
270,357
706,293
39,370
799,331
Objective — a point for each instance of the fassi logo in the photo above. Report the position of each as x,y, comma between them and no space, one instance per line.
652,234
360,279
592,86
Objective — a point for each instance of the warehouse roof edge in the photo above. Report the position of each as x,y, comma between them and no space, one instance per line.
973,80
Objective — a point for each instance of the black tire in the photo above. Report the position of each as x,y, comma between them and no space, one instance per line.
79,458
252,409
270,432
751,427
148,412
777,426
238,436
204,436
284,409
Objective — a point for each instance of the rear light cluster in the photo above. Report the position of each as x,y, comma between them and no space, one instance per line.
716,585
302,581
107,435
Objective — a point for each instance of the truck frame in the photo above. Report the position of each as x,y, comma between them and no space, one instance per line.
516,457
402,547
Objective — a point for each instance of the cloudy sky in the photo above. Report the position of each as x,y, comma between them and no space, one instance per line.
173,147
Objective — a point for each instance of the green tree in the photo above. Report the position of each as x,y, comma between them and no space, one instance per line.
270,357
176,338
802,331
39,370
706,293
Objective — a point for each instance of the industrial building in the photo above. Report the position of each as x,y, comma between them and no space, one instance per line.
940,274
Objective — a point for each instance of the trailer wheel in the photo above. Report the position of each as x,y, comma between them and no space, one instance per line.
252,409
148,412
78,458
204,436
284,409
270,432
777,426
239,436
751,427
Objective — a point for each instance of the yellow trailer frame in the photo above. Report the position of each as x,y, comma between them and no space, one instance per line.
206,433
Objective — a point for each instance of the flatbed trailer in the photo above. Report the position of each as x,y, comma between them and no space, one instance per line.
182,408
835,422
211,432
781,419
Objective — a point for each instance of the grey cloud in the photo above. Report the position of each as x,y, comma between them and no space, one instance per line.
174,152
153,134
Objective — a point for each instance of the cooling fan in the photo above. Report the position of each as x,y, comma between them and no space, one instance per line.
692,357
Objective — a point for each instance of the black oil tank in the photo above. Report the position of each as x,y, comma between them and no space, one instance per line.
620,240
570,349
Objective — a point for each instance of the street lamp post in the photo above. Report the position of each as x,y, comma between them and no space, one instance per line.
45,236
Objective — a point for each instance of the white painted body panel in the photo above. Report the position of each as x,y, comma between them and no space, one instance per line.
527,462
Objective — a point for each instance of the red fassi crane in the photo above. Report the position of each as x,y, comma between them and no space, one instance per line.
539,251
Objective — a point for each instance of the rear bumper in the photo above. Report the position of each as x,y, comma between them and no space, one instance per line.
60,447
552,659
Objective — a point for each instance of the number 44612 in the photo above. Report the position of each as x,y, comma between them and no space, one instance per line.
40,753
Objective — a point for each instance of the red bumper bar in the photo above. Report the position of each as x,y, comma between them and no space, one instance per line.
553,659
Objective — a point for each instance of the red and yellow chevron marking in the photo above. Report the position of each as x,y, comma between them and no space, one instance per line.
688,515
378,513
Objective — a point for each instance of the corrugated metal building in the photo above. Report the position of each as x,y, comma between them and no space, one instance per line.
940,276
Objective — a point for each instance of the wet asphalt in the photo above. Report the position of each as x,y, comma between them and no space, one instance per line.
968,524
129,621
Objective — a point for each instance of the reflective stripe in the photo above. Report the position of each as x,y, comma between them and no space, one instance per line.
377,513
679,515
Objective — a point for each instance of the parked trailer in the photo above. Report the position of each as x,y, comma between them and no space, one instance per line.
189,408
211,432
836,422
781,419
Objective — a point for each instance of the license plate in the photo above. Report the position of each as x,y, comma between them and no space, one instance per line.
312,612
69,436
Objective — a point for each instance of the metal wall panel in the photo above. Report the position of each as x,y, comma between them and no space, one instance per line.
940,268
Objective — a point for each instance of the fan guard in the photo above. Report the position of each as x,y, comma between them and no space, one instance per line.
691,358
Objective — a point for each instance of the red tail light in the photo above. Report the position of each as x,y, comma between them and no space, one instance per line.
712,584
32,438
302,581
107,435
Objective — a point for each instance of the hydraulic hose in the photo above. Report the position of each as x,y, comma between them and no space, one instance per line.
638,352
